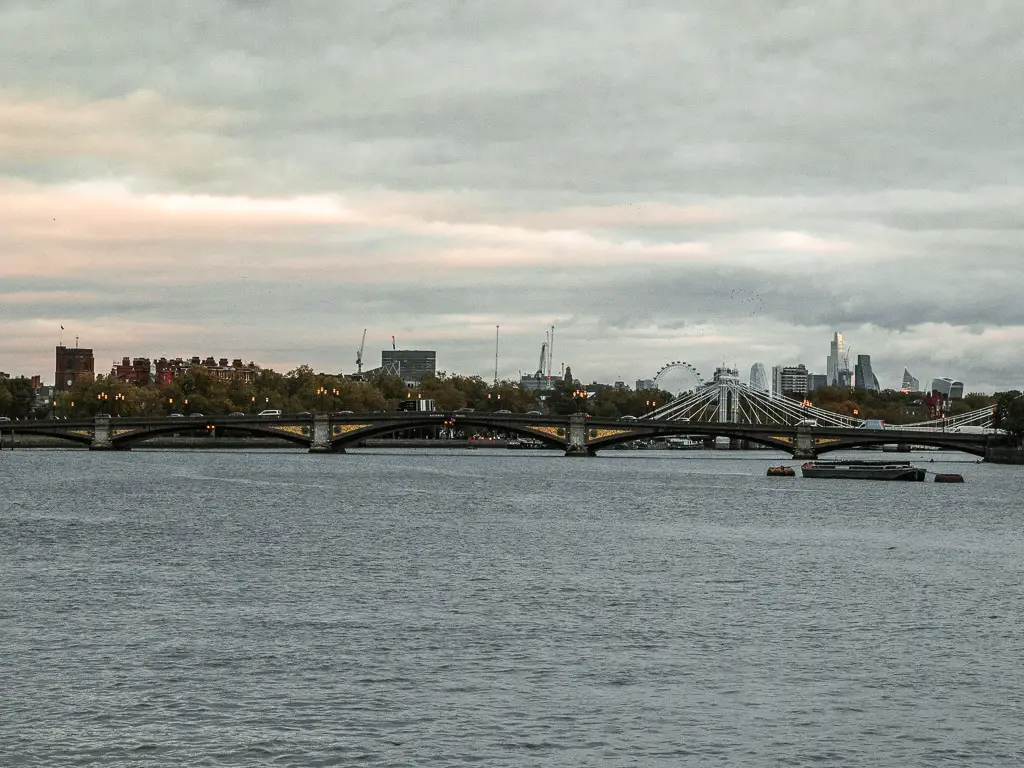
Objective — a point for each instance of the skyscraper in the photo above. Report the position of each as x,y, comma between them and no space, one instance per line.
910,383
951,389
863,376
759,378
832,362
837,365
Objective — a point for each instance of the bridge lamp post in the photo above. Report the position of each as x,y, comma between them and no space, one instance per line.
321,391
651,405
170,404
101,398
252,408
118,399
581,400
334,398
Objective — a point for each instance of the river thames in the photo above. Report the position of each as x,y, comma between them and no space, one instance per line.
503,608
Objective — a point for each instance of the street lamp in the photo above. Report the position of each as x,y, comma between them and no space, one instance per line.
118,398
101,398
580,396
321,391
334,398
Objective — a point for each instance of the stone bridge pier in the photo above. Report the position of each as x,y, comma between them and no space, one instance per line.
322,435
576,437
804,445
101,440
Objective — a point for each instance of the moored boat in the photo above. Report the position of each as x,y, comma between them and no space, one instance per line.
781,472
863,470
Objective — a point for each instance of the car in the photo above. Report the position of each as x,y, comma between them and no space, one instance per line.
304,414
807,423
195,415
176,416
465,410
343,413
276,412
5,419
503,411
628,418
534,413
235,414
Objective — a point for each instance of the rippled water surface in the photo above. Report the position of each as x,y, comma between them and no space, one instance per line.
504,609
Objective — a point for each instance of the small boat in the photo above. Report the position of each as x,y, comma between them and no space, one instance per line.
948,477
863,470
781,472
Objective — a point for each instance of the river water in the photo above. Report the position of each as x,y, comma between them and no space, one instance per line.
503,608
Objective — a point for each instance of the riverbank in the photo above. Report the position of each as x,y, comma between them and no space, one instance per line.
37,442
1005,456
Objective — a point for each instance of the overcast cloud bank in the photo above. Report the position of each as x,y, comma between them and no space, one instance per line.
725,183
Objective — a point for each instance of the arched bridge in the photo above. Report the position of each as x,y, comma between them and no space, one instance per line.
575,435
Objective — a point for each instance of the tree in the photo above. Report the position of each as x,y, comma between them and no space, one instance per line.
5,399
1009,415
20,398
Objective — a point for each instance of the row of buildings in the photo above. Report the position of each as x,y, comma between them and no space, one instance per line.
74,365
798,380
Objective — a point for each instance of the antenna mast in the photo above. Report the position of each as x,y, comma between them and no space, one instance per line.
551,350
497,329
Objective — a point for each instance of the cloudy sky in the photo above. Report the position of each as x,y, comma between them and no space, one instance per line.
714,182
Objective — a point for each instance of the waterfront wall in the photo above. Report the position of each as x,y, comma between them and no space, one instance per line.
1005,455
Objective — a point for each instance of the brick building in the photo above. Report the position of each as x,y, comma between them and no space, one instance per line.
73,365
166,370
137,370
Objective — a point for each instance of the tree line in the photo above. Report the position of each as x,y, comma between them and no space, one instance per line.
198,390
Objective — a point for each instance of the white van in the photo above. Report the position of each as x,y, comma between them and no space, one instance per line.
807,423
269,412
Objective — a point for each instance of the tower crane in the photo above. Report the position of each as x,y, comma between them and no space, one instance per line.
359,354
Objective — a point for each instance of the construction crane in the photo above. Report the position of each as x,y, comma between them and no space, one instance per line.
543,361
359,354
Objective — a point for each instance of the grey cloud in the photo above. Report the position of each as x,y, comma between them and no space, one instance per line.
890,128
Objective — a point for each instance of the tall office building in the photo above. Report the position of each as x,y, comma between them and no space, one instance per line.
863,376
759,378
910,383
73,365
789,380
949,388
837,364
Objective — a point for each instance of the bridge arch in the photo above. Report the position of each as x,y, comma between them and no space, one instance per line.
134,438
14,428
377,430
932,441
703,430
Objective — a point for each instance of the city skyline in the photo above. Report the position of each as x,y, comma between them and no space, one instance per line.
127,369
265,184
